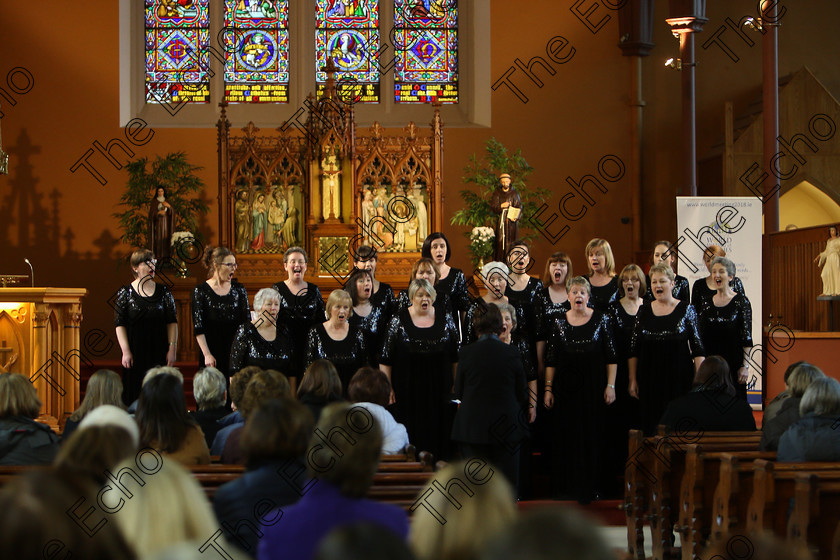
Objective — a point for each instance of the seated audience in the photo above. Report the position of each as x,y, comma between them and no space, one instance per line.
40,519
711,405
788,413
319,387
775,405
764,546
343,473
103,387
815,436
362,541
110,415
443,528
264,385
171,370
210,392
23,441
370,389
234,420
273,444
165,424
549,534
91,451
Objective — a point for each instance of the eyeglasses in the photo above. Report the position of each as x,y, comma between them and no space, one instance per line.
230,265
152,262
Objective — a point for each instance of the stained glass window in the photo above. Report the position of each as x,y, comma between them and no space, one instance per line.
426,44
176,51
256,40
347,31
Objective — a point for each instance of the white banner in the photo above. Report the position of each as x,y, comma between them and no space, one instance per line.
734,223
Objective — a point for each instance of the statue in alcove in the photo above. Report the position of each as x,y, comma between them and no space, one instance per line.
161,225
830,262
240,217
331,184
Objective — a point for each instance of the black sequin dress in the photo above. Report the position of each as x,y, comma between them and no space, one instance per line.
527,303
701,293
602,296
347,355
383,304
726,331
421,361
145,320
298,313
217,318
665,347
580,355
548,312
679,292
251,349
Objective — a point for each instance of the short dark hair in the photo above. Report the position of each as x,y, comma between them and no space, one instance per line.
713,374
277,429
427,246
364,253
162,413
488,321
321,380
239,382
350,286
369,385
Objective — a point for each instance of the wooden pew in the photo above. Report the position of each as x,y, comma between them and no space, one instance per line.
732,495
816,513
697,493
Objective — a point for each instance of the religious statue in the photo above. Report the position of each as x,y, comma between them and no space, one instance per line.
829,260
161,225
258,213
507,204
331,184
240,217
368,212
420,210
275,223
290,226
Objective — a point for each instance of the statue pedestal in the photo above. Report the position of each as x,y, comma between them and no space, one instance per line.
830,300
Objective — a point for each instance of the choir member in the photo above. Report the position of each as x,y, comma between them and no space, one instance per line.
368,317
337,340
146,324
301,305
602,279
580,377
423,269
663,251
219,306
495,277
452,285
726,324
665,349
554,301
419,357
509,326
382,296
704,288
523,293
263,342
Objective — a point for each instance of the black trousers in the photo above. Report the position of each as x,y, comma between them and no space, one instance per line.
500,456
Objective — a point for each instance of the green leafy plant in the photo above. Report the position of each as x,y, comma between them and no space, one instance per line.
172,172
485,174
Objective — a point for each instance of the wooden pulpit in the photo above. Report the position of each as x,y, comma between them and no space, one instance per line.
39,338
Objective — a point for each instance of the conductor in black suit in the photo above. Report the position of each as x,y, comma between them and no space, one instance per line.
490,382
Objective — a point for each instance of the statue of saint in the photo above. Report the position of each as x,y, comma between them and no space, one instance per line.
830,262
241,210
331,184
507,204
161,225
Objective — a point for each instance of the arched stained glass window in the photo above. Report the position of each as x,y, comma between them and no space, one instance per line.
176,51
256,41
426,44
347,31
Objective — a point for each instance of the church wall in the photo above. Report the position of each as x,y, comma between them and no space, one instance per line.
62,220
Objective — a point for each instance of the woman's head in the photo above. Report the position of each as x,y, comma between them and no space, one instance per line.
264,385
209,388
93,450
365,258
103,387
239,382
632,281
339,306
821,398
266,300
579,292
558,269
160,191
495,276
518,257
664,251
436,247
219,260
832,231
713,374
162,413
662,281
143,263
723,269
710,253
321,380
801,378
360,285
110,415
599,257
277,430
488,321
295,260
370,385
419,289
18,397
426,269
508,317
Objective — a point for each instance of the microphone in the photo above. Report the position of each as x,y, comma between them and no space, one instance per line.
31,270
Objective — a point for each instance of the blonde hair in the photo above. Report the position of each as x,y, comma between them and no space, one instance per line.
338,297
822,397
18,397
662,268
603,245
421,284
104,387
579,281
171,370
632,269
482,506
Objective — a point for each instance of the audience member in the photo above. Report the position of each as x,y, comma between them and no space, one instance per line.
264,385
104,387
234,420
775,405
40,519
91,451
370,389
23,441
110,415
210,392
319,387
343,473
815,436
461,509
165,424
363,541
788,413
711,405
171,370
273,444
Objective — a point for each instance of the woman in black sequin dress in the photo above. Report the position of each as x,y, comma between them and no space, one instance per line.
553,302
382,295
146,324
665,349
263,342
452,285
726,325
495,276
523,292
664,251
337,340
580,379
219,306
419,355
705,288
301,306
602,279
368,317
423,269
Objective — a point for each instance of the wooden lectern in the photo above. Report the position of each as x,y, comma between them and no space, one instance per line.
39,338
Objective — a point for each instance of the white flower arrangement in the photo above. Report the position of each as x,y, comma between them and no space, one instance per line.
482,241
180,237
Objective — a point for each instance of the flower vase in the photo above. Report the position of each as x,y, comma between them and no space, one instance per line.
480,263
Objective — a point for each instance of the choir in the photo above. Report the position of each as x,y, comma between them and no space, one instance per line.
602,353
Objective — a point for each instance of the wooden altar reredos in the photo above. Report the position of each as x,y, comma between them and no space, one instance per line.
280,188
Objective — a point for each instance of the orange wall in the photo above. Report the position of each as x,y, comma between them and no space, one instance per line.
62,221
